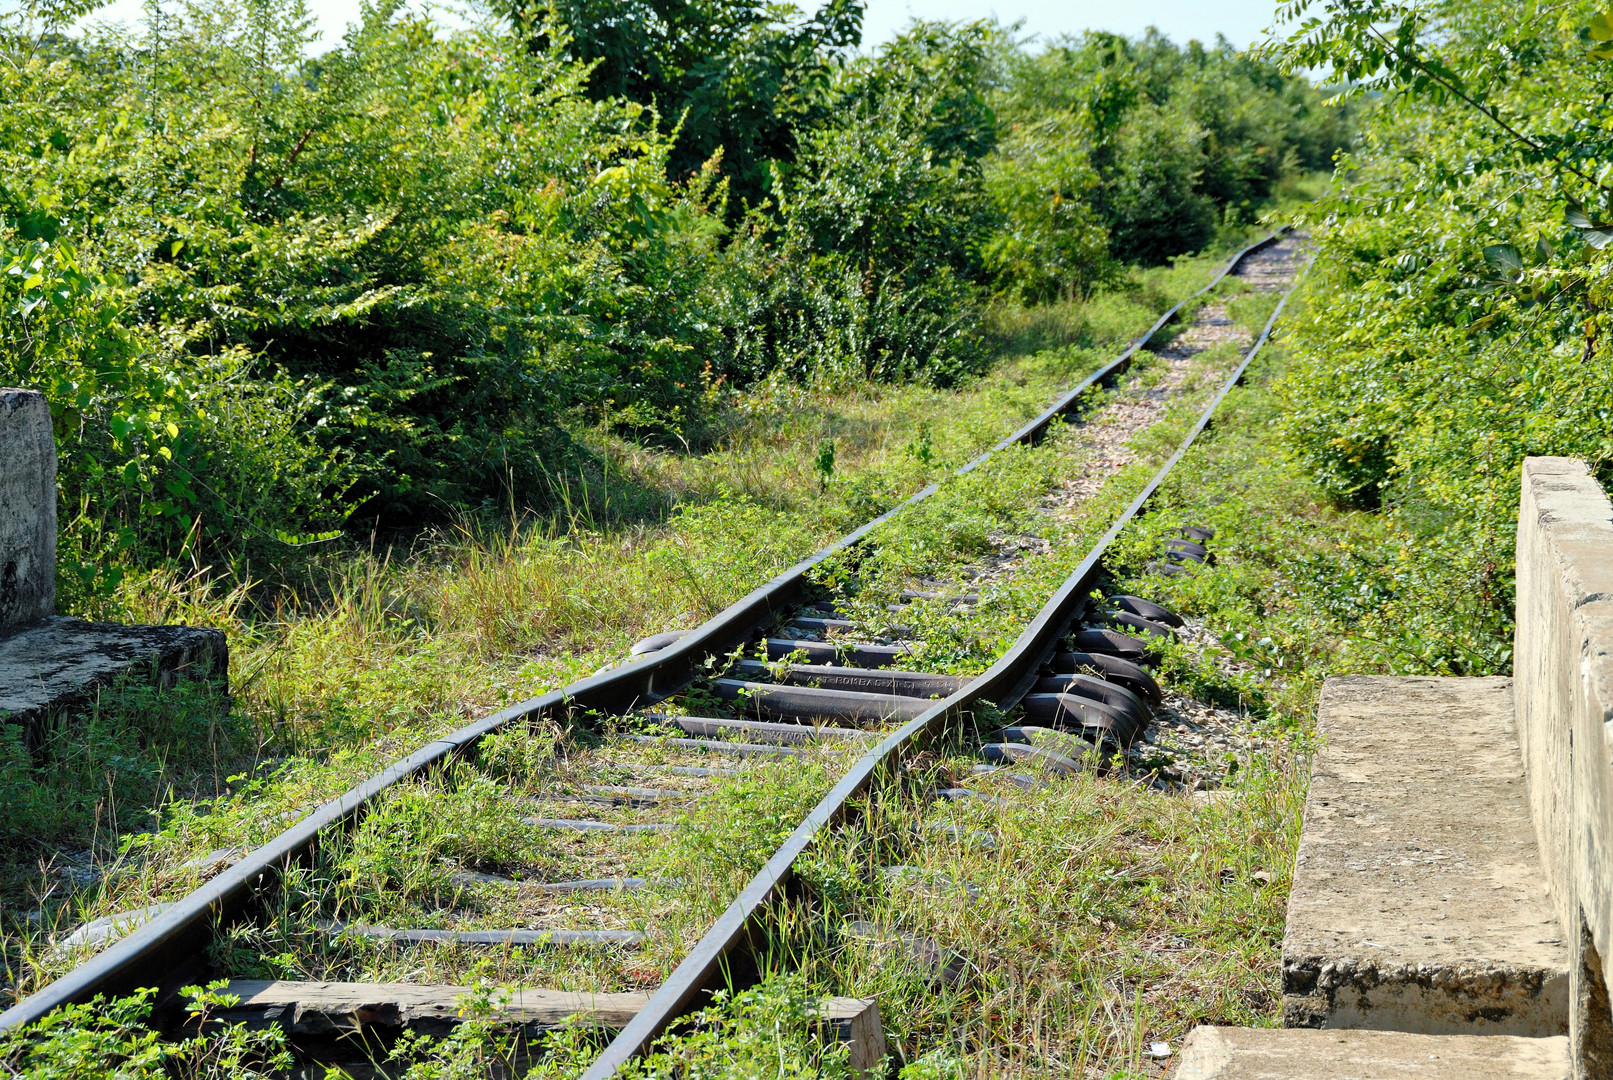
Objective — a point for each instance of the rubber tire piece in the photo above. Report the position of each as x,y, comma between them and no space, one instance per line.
1126,622
1113,669
1114,643
1112,694
1147,609
1070,713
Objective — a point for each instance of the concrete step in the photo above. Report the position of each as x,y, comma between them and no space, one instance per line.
57,664
1419,902
1227,1053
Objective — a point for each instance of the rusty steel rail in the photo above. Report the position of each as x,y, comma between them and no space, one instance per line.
167,952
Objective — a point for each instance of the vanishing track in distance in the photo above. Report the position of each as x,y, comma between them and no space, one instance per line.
832,694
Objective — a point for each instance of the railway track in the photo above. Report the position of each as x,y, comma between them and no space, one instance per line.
489,856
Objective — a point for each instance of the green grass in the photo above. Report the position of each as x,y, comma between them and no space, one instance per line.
394,647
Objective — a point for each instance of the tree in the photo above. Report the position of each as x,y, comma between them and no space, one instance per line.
737,76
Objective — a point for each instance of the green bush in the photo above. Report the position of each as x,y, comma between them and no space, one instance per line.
272,295
1454,320
110,1038
1179,140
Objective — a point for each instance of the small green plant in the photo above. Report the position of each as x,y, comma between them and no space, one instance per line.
102,1038
922,447
772,1030
824,462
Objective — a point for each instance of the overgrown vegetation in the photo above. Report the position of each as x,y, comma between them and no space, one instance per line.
273,295
398,867
402,648
1457,321
587,306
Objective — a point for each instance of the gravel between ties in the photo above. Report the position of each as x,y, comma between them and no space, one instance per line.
1192,745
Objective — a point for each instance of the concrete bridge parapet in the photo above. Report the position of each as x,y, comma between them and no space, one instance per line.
27,509
1563,675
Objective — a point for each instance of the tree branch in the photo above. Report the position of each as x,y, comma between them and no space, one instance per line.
1489,113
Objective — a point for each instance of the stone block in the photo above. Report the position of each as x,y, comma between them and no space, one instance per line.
1226,1053
1419,902
59,664
27,509
1563,667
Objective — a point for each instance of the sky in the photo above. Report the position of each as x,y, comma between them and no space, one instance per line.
1242,21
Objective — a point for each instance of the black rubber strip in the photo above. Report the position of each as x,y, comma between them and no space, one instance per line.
1113,694
1148,628
805,702
831,652
1136,605
1113,669
1113,643
1026,754
921,684
1066,711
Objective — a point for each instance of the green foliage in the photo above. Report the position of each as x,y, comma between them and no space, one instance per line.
1171,142
402,850
881,218
102,1038
737,78
108,766
1052,243
272,295
156,445
728,836
1306,588
772,1030
1456,320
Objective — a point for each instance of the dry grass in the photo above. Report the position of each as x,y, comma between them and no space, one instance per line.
395,646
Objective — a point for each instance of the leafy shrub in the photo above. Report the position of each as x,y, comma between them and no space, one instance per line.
109,1038
1455,317
1052,244
272,295
735,78
1180,140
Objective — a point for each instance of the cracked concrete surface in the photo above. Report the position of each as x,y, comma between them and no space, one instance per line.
1419,903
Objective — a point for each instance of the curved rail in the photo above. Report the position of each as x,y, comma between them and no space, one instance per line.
1003,684
166,951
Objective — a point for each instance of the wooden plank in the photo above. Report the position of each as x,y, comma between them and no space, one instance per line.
345,1008
757,731
529,938
855,1022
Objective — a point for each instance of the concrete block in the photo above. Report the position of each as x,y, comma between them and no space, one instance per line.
1226,1053
58,664
1563,666
1419,903
27,509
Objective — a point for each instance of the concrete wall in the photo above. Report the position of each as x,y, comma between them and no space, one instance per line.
1563,672
27,509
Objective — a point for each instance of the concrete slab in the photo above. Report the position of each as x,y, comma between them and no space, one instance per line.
1563,663
1225,1053
27,509
1419,902
58,664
